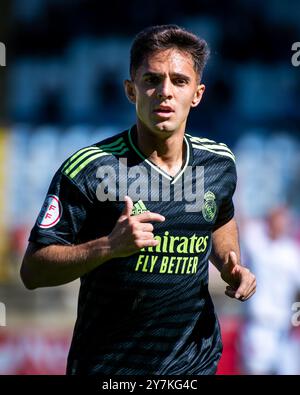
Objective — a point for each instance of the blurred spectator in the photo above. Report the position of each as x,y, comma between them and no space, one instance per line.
268,346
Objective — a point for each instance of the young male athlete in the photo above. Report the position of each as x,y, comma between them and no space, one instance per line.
119,215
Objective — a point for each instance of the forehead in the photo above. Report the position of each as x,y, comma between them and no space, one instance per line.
170,60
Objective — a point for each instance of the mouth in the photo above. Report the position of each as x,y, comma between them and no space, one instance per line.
163,111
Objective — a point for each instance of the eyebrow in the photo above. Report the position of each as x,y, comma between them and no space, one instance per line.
177,75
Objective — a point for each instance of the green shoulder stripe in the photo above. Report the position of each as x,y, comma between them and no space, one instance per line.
92,158
86,162
71,166
89,151
78,153
74,170
117,142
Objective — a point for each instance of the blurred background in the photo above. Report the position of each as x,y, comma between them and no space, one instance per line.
62,89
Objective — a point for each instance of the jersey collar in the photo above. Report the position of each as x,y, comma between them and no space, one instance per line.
188,160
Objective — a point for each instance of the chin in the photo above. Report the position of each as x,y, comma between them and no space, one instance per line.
164,127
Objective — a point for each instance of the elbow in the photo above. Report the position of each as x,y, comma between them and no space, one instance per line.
29,286
26,277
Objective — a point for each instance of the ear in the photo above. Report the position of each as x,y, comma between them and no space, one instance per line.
130,90
198,95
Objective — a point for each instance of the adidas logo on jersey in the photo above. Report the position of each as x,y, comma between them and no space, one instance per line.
139,208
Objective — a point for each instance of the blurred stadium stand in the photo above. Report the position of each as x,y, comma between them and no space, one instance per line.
64,90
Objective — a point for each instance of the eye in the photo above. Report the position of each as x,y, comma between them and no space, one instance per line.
152,79
180,81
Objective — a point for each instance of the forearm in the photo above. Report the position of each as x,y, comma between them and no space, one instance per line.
224,240
57,264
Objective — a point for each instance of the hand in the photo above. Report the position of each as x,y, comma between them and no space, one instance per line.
242,283
131,233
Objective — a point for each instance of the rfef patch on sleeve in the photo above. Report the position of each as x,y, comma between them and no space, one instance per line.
51,212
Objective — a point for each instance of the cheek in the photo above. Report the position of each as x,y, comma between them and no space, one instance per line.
142,106
143,99
186,102
143,95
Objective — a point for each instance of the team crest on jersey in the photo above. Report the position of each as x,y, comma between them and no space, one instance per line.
209,208
50,213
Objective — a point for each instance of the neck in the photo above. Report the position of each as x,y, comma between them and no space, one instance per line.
166,150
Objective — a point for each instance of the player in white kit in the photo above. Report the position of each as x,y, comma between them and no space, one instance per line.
274,257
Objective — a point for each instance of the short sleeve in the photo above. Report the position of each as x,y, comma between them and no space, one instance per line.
226,208
62,215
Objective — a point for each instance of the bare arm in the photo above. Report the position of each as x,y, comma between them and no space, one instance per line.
224,240
225,256
45,266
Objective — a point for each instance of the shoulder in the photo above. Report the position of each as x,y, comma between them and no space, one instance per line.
88,158
211,148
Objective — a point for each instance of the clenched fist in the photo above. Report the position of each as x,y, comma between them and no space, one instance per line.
131,233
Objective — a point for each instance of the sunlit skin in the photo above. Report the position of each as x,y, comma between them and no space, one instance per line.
164,89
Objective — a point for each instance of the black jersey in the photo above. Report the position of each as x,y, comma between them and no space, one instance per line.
151,312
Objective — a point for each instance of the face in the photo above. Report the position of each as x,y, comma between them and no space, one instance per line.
164,89
278,222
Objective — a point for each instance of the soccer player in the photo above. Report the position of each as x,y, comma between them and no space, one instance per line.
119,215
267,343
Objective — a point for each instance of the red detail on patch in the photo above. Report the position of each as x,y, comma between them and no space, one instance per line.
47,219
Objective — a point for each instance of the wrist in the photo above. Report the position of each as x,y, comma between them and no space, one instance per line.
98,251
111,248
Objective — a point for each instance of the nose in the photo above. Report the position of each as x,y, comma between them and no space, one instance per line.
165,90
